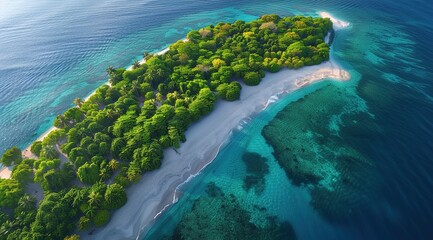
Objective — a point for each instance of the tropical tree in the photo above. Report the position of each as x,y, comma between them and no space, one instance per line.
22,173
83,223
27,202
72,237
49,152
115,196
252,78
91,211
10,191
147,55
101,217
111,70
8,227
104,174
88,173
113,165
136,64
95,198
79,197
54,218
11,156
134,174
78,102
114,75
36,148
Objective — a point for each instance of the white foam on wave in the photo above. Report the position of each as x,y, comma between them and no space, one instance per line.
327,38
338,24
271,100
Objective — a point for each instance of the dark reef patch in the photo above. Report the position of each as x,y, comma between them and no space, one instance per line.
314,141
221,216
257,168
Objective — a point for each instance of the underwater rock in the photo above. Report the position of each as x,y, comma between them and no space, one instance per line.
257,169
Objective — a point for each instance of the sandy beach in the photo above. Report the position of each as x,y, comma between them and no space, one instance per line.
5,172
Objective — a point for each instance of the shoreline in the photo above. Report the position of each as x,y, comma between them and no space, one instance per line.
157,190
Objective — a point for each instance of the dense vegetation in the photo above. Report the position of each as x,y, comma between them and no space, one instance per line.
116,136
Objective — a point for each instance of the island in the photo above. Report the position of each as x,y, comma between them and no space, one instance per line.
150,127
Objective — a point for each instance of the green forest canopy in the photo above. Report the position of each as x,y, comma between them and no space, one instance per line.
121,131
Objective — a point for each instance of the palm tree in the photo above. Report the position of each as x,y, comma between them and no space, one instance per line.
111,70
79,197
78,102
7,227
188,100
20,218
159,97
27,202
113,76
104,174
124,90
83,223
136,64
63,121
49,152
95,198
135,88
90,211
134,172
111,114
147,55
153,101
113,165
176,95
160,73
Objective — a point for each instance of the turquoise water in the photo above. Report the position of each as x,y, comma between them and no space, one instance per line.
54,52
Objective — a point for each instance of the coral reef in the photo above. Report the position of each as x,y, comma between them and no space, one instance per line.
307,140
220,216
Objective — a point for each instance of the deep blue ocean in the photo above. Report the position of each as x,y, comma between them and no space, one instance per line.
52,53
